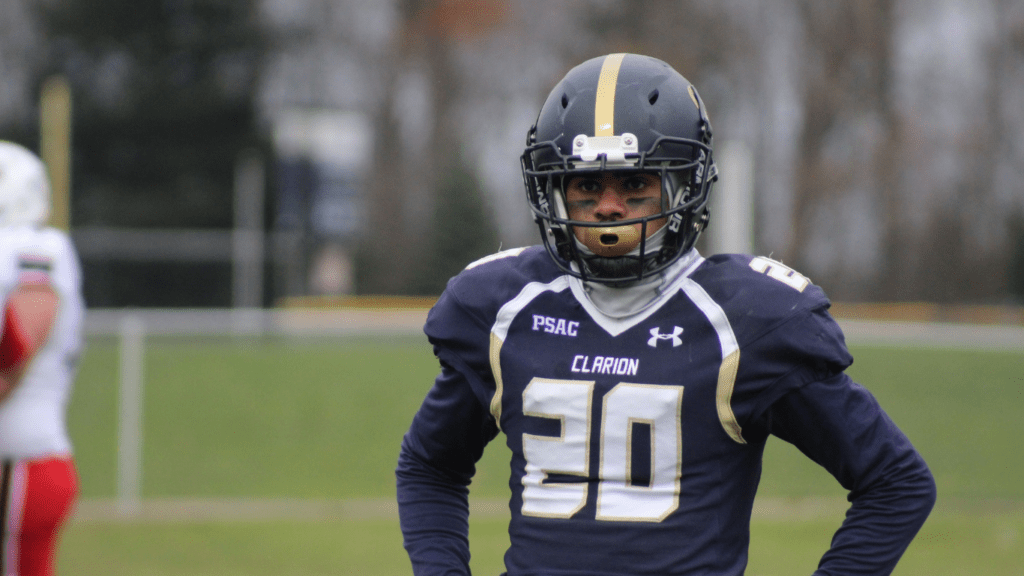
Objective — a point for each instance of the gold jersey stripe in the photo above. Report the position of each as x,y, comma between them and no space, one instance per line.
495,356
604,105
726,383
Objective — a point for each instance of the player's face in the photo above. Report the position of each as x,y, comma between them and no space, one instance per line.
611,197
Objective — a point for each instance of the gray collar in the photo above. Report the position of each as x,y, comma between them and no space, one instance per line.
622,302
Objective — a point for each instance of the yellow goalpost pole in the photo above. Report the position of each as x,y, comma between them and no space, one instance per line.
55,146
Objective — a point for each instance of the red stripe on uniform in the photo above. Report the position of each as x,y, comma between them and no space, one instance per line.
37,499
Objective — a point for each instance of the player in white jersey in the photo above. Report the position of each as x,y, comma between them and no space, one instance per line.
40,340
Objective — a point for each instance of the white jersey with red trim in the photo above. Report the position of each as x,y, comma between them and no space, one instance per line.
32,418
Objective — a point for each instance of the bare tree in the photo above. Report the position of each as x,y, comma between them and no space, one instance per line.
407,175
849,131
387,240
961,153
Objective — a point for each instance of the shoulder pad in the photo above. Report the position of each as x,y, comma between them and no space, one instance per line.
758,293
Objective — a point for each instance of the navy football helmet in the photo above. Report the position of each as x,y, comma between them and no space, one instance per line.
621,113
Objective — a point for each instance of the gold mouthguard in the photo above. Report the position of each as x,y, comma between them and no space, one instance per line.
611,241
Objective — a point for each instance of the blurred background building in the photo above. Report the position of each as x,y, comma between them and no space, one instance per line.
244,152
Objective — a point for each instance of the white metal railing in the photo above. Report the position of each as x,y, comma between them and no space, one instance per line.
130,412
132,326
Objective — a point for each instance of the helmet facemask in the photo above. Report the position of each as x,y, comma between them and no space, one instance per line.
619,252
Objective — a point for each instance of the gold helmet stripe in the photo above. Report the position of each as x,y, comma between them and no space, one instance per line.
604,106
693,96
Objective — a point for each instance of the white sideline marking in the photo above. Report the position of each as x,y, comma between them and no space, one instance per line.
934,335
193,510
376,322
199,510
190,510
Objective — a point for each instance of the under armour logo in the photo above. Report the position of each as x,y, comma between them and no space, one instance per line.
656,335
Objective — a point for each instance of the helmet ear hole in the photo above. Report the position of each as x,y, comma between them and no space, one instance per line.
565,100
653,96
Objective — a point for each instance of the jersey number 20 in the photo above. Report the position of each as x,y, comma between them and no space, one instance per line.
625,407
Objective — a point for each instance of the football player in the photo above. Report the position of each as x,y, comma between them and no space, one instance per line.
40,339
634,380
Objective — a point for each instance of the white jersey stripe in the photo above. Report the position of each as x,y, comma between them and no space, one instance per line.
730,356
499,331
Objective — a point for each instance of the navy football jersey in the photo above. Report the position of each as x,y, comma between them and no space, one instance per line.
636,441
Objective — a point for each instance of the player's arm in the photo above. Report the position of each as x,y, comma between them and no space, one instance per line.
840,425
813,404
436,464
29,313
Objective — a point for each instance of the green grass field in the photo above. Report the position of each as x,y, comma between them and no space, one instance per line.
321,419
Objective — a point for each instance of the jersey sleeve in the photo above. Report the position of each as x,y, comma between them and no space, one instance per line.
447,437
40,268
792,384
804,348
839,424
785,335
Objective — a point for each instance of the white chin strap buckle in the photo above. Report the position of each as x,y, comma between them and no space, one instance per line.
613,148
